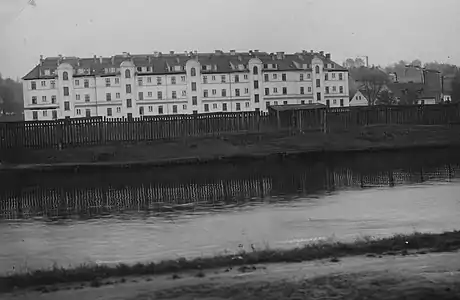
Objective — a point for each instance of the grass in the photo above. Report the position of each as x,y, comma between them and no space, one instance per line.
447,241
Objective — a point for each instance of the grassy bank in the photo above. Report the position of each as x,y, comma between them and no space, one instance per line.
233,147
399,244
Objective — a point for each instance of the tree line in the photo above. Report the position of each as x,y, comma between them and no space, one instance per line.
11,99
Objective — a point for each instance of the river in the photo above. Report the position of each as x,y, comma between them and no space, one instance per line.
138,215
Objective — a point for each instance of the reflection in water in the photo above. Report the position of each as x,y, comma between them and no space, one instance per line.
136,215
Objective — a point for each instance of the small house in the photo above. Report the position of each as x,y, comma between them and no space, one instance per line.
297,116
358,99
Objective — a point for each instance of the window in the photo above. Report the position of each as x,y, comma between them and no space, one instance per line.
194,86
53,99
341,102
139,69
223,78
224,106
33,85
43,98
205,93
206,107
117,80
118,109
66,91
66,105
301,77
255,70
246,91
265,77
310,101
65,76
245,76
275,76
308,75
256,98
182,78
275,90
77,97
285,91
340,76
160,109
238,106
318,83
224,93
328,103
333,75
267,91
192,72
247,104
173,80
285,102
117,95
317,69
86,83
150,108
108,96
237,78
195,112
140,81
128,89
158,80
334,101
194,100
53,84
160,95
35,115
327,90
309,89
78,111
87,99
88,113
214,91
54,113
129,103
318,96
127,74
141,95
141,110
34,100
184,106
256,84
43,83
174,109
109,111
334,89
267,104
341,89
107,82
302,101
237,92
184,93
283,77
213,78
274,66
214,106
149,79
130,116
77,82
326,76
205,79
174,95
302,90
265,66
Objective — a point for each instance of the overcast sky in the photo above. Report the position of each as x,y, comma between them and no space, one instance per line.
385,30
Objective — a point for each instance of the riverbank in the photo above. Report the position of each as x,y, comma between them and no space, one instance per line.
410,277
94,275
232,148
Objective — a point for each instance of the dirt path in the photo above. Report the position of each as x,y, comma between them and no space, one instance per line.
388,277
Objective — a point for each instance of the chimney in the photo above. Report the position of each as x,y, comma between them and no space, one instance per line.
321,53
100,60
195,52
218,52
311,51
113,60
41,60
280,55
232,52
156,53
256,51
150,59
95,58
125,54
328,55
250,52
160,54
171,52
78,61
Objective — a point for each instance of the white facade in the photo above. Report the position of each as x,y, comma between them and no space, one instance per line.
234,82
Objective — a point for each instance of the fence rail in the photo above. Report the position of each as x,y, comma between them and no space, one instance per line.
100,131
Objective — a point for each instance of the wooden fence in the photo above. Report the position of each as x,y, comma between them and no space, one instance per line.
99,131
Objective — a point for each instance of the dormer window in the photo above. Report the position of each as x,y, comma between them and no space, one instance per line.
192,72
255,70
139,69
65,76
127,74
317,69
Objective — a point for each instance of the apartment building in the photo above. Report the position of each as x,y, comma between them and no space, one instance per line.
180,83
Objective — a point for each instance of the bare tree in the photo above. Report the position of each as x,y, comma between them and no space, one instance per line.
373,81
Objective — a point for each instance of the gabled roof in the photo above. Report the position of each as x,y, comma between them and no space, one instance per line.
166,63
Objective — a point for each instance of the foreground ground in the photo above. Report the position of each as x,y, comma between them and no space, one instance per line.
418,276
241,145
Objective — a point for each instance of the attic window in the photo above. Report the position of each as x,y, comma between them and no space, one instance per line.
274,66
139,69
148,69
203,68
